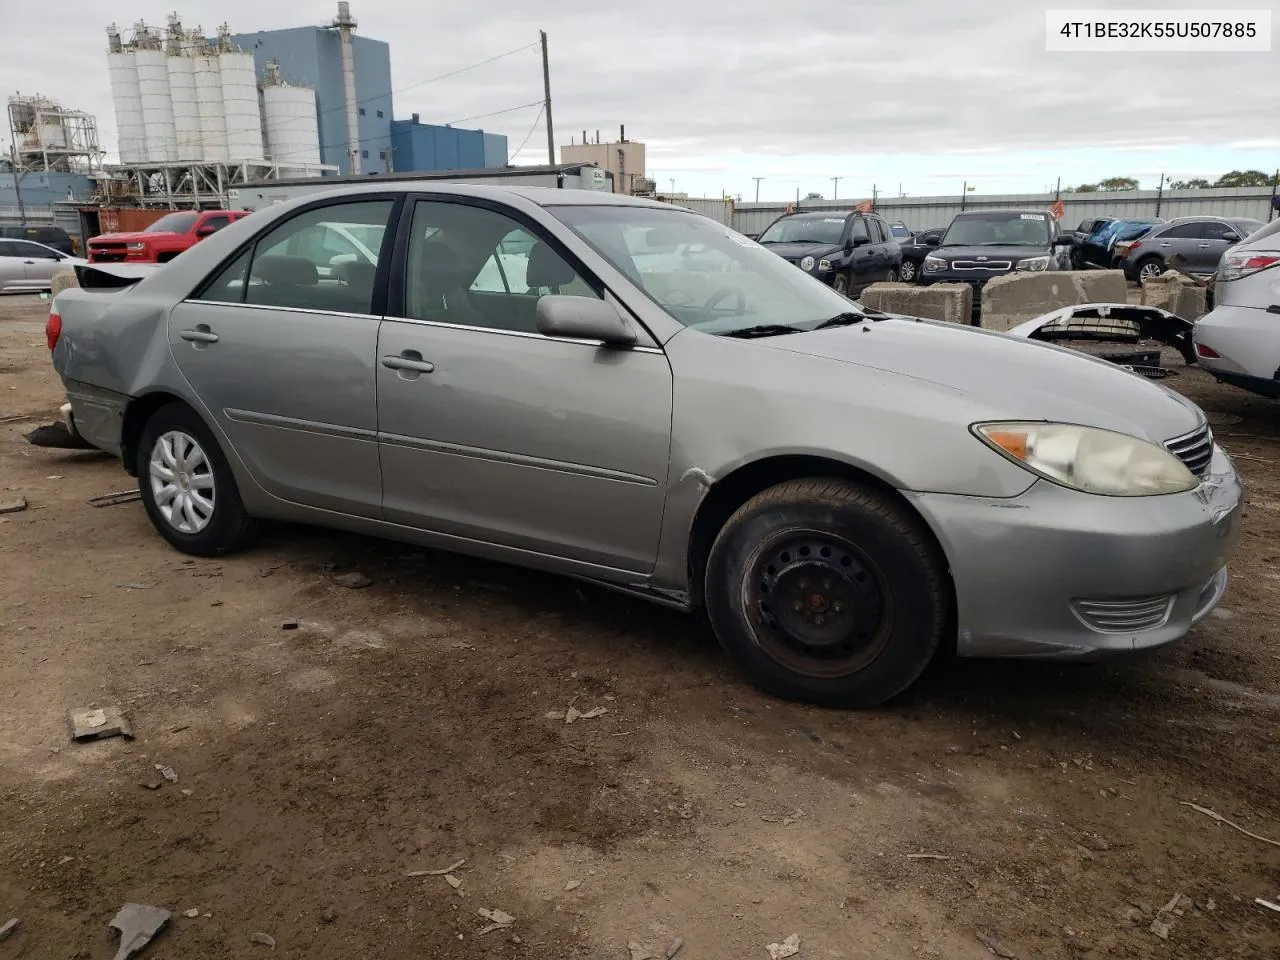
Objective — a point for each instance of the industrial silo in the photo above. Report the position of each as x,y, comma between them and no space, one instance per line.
213,125
186,113
240,106
289,112
126,97
157,108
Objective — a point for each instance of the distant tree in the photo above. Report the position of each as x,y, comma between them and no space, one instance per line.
814,196
1195,183
1084,188
1244,178
1118,183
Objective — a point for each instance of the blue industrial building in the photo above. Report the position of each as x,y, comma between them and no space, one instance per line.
312,57
425,146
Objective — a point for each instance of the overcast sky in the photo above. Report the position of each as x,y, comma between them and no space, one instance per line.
919,95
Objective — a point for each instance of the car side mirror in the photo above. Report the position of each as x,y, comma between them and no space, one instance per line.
206,231
583,318
861,241
1062,240
932,240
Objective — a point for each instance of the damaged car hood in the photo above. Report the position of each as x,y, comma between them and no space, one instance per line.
1016,379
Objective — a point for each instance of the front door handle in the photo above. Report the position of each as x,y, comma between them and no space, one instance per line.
1204,246
201,334
1166,244
409,360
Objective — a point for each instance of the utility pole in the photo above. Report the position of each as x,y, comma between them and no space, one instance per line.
875,195
1160,195
835,187
17,179
546,103
1057,191
757,180
964,195
672,180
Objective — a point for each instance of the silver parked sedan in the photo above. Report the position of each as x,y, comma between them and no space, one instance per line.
535,376
27,266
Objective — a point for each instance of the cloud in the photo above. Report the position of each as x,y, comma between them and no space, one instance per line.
733,88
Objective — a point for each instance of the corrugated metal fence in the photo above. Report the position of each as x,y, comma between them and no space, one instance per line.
918,213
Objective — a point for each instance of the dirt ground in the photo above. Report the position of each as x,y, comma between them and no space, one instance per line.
404,727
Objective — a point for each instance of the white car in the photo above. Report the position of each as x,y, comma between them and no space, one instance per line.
28,267
1239,340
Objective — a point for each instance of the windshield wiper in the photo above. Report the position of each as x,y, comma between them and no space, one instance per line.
763,330
843,320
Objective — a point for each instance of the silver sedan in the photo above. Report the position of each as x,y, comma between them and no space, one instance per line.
551,378
27,266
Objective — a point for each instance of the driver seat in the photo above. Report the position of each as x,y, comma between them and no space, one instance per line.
547,271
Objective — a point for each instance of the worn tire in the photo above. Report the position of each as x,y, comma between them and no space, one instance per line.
840,283
230,528
891,542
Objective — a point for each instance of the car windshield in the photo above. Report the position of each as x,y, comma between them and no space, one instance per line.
702,273
173,223
805,230
999,229
899,231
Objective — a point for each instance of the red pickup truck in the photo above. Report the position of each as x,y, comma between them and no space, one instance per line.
163,240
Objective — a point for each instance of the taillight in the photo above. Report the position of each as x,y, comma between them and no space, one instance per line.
1134,245
1237,265
1207,352
52,329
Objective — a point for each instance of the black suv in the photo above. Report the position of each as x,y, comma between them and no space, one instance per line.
848,251
992,243
54,237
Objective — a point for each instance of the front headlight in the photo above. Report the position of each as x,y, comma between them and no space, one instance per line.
824,264
1089,459
1033,264
934,264
806,263
135,246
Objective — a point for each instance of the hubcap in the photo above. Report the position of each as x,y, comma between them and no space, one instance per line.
908,270
1149,270
819,604
182,482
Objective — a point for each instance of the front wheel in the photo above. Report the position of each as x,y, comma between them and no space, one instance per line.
1150,268
908,271
187,487
827,592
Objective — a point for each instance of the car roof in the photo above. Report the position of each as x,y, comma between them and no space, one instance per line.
820,215
1014,211
542,196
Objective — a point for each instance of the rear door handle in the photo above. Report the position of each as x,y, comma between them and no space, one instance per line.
1204,246
1166,244
201,334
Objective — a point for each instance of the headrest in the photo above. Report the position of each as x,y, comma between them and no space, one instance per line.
287,271
356,273
438,262
547,268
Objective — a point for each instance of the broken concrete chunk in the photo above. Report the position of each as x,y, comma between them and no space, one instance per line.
1160,929
572,885
98,724
452,881
497,916
787,948
138,924
8,928
167,772
13,506
264,939
192,913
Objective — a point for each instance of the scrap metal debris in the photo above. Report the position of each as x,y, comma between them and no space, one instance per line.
787,948
443,871
167,772
1258,900
98,724
1235,826
8,928
499,920
138,924
928,856
573,713
1161,926
265,939
13,506
1117,323
572,885
114,499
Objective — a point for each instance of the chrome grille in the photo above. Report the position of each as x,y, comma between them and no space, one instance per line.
981,264
1123,616
1194,449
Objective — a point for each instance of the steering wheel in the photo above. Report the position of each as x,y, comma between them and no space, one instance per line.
677,297
740,300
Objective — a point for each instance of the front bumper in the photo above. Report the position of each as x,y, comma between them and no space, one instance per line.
1025,568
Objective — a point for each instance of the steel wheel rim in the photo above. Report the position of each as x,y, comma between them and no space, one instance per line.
1149,270
182,482
908,270
817,604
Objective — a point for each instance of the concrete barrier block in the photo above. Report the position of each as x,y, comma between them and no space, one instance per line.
63,280
1009,300
949,302
1178,294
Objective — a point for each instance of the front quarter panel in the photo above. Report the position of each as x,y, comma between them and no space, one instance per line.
736,402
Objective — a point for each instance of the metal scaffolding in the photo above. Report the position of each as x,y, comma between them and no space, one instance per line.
180,186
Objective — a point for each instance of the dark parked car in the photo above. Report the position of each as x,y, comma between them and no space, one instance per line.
916,249
1081,233
994,243
1199,241
54,237
849,251
1098,249
901,232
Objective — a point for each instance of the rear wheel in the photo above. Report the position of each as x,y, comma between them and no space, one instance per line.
827,592
187,487
891,276
1150,268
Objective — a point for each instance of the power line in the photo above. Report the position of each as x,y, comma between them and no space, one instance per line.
481,116
530,133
